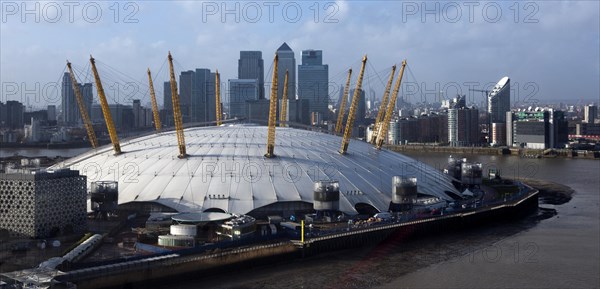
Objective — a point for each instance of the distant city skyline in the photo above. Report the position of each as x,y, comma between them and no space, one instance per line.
556,57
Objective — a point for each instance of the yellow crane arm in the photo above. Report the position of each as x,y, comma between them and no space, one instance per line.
353,107
155,113
110,125
283,113
272,112
218,97
383,130
383,106
340,119
177,111
87,123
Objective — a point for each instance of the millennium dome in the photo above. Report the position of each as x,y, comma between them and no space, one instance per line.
226,171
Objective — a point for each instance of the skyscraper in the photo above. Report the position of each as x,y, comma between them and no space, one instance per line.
167,112
313,82
298,111
52,112
340,96
499,101
241,91
373,95
3,114
211,100
361,109
138,114
287,61
203,97
590,112
186,87
196,96
200,93
70,109
498,106
122,115
14,114
87,92
463,126
68,105
251,66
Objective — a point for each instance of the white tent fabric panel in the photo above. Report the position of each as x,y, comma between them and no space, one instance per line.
226,169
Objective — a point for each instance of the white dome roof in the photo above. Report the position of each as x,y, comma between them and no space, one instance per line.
226,170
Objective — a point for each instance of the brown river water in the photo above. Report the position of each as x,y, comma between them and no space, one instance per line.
557,247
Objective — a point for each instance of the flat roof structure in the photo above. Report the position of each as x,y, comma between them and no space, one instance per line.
198,218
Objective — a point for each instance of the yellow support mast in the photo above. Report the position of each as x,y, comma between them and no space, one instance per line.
383,130
272,112
87,123
283,112
157,123
383,106
353,107
177,111
218,97
110,125
340,119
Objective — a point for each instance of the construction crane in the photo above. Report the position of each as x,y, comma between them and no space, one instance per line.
87,123
480,90
218,97
272,112
485,97
283,112
110,125
353,107
383,130
157,123
340,119
177,111
383,106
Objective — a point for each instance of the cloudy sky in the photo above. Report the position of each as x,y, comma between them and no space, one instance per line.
549,49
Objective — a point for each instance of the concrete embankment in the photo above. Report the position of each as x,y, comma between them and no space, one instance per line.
165,268
507,211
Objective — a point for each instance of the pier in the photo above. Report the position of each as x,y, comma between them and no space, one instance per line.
191,263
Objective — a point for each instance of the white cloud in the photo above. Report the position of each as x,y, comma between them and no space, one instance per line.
566,36
158,44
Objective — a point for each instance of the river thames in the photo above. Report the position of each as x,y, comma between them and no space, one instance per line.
560,252
559,247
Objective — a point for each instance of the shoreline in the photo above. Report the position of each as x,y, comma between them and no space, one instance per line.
377,265
390,236
550,193
420,253
500,151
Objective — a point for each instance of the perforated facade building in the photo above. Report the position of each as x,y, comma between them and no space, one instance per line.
43,203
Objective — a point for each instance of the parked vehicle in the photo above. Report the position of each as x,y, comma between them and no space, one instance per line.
386,216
